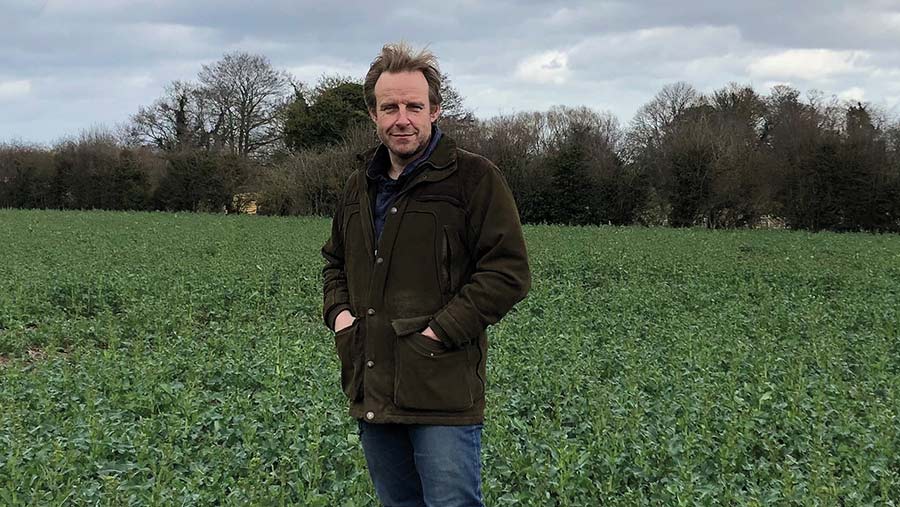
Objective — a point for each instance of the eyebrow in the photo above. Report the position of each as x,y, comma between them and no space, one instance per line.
393,103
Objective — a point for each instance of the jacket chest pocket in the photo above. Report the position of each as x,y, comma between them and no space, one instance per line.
351,227
450,253
454,260
355,254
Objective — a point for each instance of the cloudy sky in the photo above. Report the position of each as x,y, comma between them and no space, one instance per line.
67,65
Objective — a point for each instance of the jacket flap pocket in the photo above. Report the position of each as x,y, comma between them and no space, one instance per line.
410,324
440,197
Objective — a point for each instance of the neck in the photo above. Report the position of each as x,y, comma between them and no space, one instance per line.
398,164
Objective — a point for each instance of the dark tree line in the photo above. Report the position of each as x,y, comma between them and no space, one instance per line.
246,131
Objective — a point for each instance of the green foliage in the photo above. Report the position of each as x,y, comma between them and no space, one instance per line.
587,183
814,188
323,117
200,181
180,359
574,191
691,175
129,187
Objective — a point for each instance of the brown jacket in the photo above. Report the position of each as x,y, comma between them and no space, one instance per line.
451,256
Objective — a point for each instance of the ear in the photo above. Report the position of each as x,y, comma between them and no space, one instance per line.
435,113
373,115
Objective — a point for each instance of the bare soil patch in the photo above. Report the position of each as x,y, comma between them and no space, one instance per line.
35,354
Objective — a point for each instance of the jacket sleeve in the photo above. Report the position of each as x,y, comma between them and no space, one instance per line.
501,277
337,297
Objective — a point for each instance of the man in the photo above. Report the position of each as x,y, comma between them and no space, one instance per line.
426,251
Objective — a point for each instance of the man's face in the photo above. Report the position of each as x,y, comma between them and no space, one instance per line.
403,114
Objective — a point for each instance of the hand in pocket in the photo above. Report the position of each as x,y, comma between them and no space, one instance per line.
344,320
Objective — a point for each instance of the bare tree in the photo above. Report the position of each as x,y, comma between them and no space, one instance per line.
453,108
653,119
247,94
162,124
182,118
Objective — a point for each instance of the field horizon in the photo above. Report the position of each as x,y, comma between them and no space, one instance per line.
152,358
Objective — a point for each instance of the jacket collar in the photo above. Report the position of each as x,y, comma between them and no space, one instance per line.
444,154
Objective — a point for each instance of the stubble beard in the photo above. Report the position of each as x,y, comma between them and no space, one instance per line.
410,152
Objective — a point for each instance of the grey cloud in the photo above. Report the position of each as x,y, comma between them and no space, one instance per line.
90,61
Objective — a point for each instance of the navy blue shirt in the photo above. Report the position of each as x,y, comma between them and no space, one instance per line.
387,188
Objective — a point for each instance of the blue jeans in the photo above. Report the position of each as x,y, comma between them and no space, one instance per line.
418,465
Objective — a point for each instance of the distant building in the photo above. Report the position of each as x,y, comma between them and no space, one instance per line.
245,203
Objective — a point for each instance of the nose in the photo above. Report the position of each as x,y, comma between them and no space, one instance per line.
403,117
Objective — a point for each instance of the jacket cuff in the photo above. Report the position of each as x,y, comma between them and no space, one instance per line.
439,331
333,313
450,333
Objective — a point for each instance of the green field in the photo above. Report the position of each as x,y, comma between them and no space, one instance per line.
180,359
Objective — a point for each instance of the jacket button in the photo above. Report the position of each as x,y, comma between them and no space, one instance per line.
394,210
370,363
379,260
371,311
370,415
